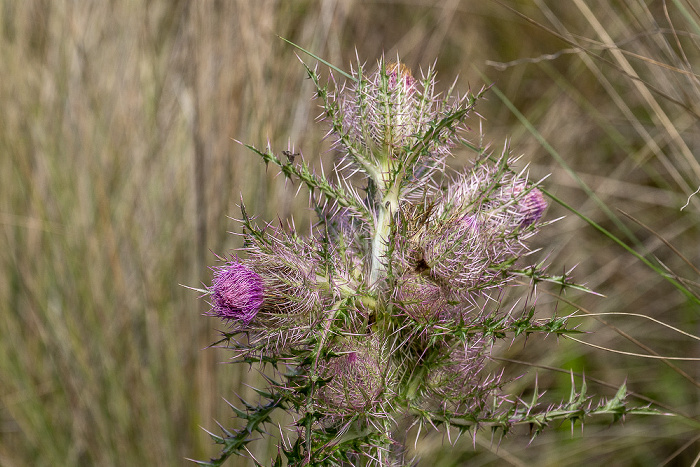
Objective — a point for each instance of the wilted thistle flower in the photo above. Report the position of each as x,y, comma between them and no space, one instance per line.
356,376
237,292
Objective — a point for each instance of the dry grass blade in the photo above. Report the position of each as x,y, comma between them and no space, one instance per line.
637,342
666,242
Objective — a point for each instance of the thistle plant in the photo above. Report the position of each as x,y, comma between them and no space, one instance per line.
387,314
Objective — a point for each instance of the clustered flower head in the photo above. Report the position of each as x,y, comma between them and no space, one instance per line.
383,308
461,238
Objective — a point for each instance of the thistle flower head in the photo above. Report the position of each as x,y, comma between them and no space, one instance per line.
503,200
531,207
287,266
419,297
463,238
384,117
460,379
237,292
357,377
455,251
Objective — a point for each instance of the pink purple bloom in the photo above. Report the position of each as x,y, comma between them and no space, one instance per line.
237,292
531,207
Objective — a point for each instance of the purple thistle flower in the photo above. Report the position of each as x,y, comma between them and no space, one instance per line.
531,207
237,292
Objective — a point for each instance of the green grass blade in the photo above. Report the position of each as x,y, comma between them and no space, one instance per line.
629,249
328,64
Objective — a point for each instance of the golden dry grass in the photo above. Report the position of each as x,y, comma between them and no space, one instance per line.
118,171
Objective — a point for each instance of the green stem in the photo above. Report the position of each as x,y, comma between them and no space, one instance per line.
380,240
345,290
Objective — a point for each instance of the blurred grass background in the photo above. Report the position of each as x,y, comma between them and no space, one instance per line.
118,173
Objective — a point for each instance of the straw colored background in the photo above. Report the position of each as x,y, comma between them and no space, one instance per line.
118,171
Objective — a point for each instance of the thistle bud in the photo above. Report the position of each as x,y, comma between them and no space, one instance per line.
515,205
357,377
531,207
385,114
419,297
457,252
395,105
461,377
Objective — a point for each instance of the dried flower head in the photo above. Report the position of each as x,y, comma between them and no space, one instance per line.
400,76
236,292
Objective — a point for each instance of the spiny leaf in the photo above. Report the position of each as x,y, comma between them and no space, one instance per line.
316,182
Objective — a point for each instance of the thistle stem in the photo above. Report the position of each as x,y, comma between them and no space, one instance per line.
380,240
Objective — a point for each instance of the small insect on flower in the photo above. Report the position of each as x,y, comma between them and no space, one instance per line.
290,156
237,292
